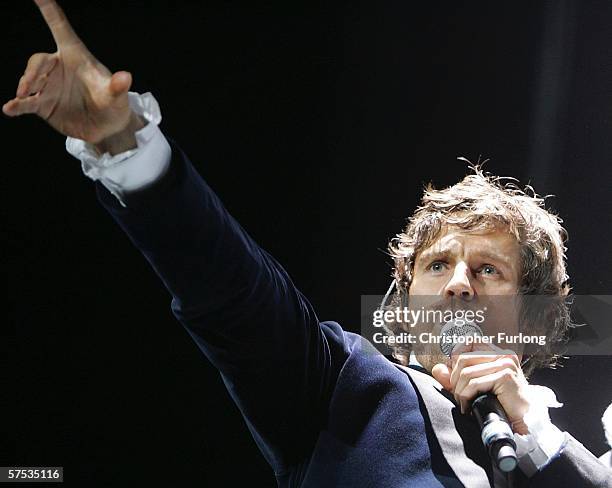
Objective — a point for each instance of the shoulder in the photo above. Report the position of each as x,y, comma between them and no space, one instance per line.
352,346
362,364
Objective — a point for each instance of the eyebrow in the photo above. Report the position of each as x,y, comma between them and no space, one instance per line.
431,255
496,257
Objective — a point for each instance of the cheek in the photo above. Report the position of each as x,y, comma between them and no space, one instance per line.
501,320
415,286
500,313
424,285
500,288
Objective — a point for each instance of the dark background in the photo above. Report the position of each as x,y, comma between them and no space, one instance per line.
317,124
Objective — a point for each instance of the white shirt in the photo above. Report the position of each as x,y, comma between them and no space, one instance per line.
140,167
134,169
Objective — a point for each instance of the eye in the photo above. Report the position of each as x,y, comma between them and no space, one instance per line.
437,266
488,270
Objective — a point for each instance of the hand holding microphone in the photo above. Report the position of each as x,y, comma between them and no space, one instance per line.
477,369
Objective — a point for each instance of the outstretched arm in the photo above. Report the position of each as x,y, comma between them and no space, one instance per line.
240,306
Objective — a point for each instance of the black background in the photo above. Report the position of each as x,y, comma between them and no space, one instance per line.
317,124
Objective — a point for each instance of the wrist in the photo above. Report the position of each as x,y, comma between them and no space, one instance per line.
542,440
124,140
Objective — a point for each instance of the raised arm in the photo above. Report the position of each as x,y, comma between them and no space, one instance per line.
240,306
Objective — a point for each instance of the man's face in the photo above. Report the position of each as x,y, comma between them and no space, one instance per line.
467,270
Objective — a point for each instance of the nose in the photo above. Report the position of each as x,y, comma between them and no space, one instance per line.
459,286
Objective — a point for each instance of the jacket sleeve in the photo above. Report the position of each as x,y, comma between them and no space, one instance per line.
574,466
240,307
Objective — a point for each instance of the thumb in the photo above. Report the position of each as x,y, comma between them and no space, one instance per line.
442,374
120,83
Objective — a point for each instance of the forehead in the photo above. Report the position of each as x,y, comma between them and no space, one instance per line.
496,243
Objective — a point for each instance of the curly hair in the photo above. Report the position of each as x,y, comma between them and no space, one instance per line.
483,202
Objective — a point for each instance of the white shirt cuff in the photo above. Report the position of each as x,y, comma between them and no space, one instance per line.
134,169
544,441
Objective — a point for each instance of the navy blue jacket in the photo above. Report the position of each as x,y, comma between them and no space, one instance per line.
323,409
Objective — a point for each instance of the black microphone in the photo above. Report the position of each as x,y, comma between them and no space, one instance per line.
496,432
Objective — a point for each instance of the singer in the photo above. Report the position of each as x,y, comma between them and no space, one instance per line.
323,413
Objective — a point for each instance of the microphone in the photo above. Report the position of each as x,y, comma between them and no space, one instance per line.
496,433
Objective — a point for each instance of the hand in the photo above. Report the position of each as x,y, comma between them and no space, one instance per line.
70,89
490,369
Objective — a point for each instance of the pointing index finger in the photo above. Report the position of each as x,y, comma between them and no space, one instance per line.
58,23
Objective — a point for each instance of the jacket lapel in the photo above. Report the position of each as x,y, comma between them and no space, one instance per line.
465,456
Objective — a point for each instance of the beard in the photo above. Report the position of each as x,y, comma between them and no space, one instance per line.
428,354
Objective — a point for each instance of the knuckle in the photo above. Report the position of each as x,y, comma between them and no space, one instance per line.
512,355
465,395
462,359
508,363
464,374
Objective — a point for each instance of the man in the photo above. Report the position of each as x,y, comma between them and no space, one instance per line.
323,410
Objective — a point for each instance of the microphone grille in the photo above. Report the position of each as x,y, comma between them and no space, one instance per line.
452,331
